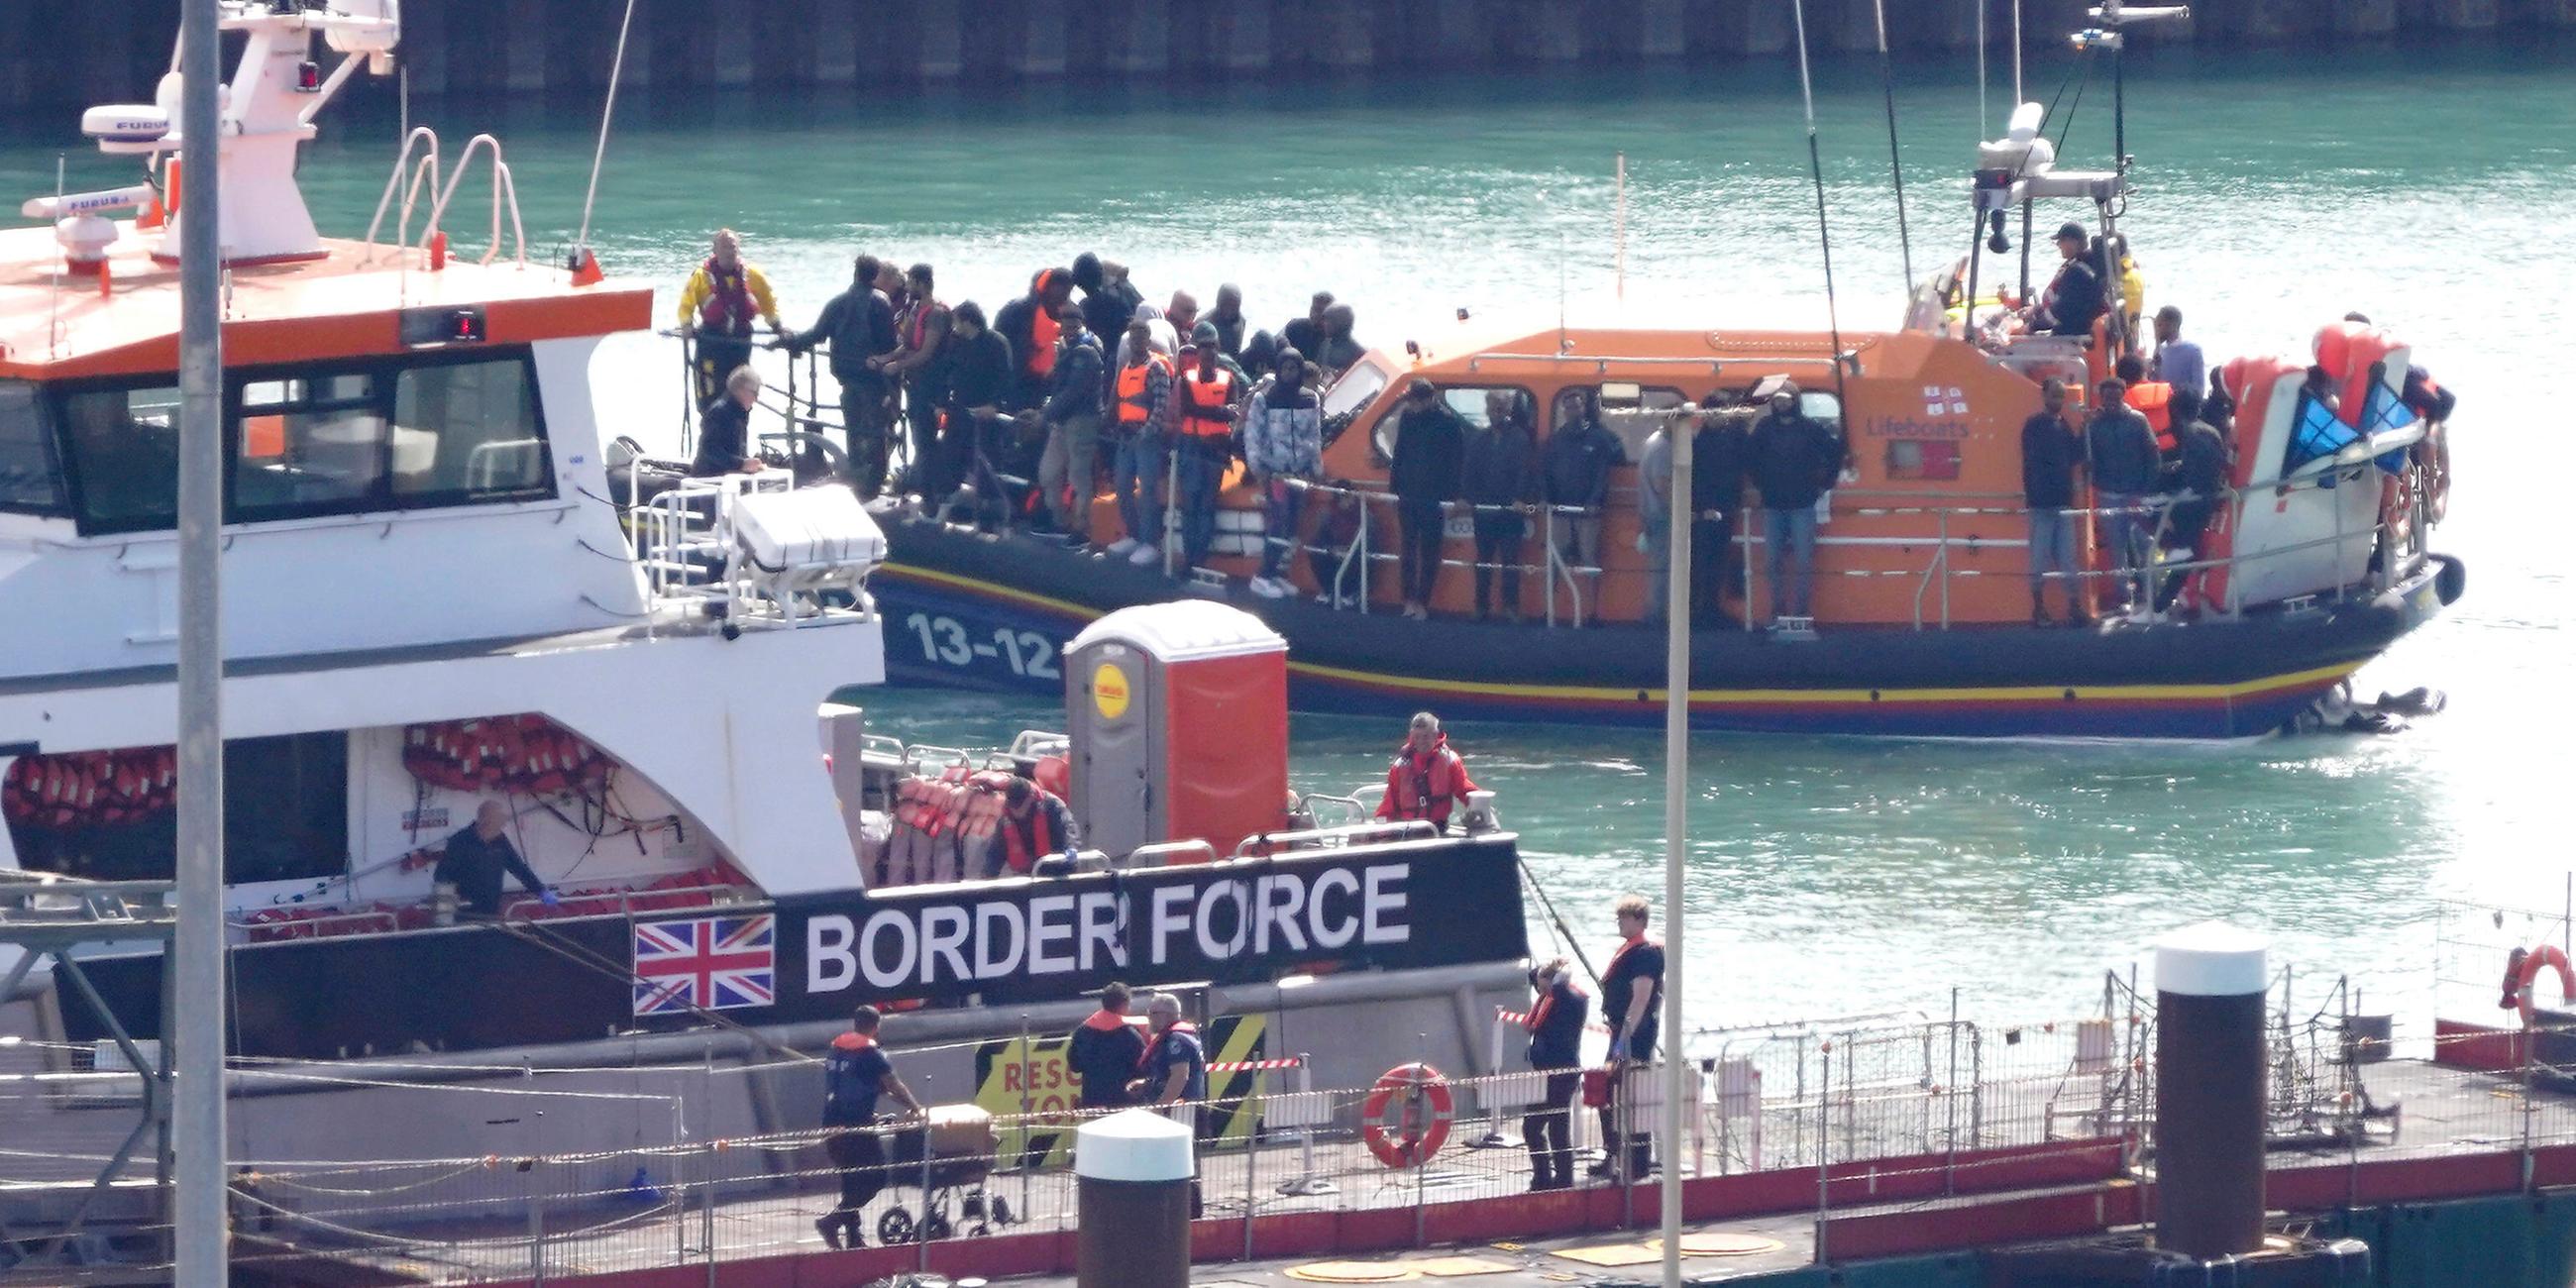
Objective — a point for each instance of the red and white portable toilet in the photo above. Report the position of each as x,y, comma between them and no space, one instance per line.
1179,718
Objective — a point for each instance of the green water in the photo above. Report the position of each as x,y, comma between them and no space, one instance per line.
2433,190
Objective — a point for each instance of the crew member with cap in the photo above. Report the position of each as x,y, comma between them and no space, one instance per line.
717,305
1035,825
1555,1027
856,1074
2074,299
476,858
1428,779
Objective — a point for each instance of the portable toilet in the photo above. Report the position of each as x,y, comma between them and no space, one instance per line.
1179,719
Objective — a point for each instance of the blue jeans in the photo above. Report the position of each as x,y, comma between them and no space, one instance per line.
2126,532
1281,503
1789,537
2052,549
1200,472
1136,476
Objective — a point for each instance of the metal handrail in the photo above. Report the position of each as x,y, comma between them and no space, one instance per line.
1412,829
423,173
502,188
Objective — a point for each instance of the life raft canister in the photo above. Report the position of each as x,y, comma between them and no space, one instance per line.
2522,967
1406,1118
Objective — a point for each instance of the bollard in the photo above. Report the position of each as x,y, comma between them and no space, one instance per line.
1132,1174
2210,981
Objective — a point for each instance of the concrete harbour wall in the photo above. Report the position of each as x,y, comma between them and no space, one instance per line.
117,48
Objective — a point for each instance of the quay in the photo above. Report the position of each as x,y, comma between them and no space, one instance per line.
449,46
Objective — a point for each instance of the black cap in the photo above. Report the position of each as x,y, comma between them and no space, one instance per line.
2070,229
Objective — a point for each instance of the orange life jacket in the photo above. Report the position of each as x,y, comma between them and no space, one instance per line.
1132,382
1043,330
2153,399
1202,396
1425,788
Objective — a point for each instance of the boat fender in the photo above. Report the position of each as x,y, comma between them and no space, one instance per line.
2452,580
1407,1115
2522,966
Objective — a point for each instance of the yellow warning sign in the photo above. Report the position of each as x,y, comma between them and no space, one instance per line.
1031,1076
1109,693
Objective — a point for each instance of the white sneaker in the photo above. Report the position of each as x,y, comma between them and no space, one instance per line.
1121,546
1268,589
1145,554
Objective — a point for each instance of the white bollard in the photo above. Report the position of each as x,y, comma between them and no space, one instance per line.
1132,1172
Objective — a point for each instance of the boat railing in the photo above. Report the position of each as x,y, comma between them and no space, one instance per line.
411,177
505,194
1350,583
1310,838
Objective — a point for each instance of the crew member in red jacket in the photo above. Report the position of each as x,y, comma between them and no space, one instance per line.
1427,780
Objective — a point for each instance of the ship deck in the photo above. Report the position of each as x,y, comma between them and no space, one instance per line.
2437,1132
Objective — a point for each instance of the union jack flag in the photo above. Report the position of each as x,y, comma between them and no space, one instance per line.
708,963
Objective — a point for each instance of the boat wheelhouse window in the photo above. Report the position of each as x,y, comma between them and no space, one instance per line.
423,432
29,483
1466,400
113,815
122,448
473,432
307,445
1357,386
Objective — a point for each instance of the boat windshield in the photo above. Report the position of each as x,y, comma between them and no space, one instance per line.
29,483
1364,381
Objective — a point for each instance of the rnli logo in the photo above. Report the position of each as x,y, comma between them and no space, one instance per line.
1109,692
1938,400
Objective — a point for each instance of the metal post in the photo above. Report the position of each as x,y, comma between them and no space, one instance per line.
1824,1151
1677,681
1950,1129
200,1214
536,1226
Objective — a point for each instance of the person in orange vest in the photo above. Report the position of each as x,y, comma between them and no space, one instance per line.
1555,1027
1203,413
1103,1052
2152,399
1035,825
1632,1001
1136,399
1029,324
1427,780
717,306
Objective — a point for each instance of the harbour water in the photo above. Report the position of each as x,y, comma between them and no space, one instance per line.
2430,188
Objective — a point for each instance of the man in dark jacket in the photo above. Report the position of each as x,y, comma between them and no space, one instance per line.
1793,458
1306,334
1068,474
2200,479
2050,455
1575,468
1430,446
975,380
1555,1027
2120,454
1717,493
859,326
2073,300
1108,298
1501,482
1029,324
724,429
1103,1053
477,857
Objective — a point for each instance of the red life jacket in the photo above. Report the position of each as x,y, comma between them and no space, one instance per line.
1146,1060
729,308
2153,399
918,322
1425,787
1021,843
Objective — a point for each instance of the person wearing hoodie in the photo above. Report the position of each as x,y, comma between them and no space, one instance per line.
856,1074
1424,473
1103,1053
1428,780
1030,325
1502,483
1108,298
1283,447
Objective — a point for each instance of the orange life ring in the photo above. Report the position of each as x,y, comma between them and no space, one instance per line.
2521,968
1419,1124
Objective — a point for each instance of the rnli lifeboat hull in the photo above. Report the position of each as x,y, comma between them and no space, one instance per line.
979,612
